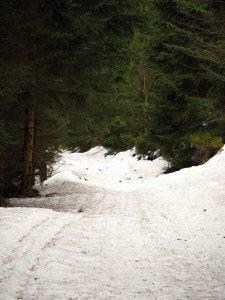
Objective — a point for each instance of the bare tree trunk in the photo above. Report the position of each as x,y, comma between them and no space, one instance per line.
27,181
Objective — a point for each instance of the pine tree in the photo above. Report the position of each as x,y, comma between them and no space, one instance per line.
132,80
49,50
179,102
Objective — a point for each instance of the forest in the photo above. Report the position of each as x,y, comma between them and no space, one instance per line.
75,74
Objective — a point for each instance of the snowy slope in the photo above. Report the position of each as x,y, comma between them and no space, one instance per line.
118,230
94,168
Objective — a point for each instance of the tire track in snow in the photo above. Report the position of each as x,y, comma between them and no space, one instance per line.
19,249
16,268
76,241
178,260
93,252
120,248
107,253
129,239
31,279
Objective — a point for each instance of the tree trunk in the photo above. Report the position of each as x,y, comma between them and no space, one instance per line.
27,180
34,155
146,97
43,172
206,154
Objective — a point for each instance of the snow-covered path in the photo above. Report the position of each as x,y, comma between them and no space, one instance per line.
163,241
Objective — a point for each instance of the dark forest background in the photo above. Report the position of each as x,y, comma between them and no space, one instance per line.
75,74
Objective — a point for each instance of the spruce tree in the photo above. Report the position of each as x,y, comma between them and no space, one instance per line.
49,51
179,102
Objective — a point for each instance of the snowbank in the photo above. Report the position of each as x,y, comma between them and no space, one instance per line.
96,168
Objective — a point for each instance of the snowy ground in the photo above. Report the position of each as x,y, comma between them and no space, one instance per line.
116,229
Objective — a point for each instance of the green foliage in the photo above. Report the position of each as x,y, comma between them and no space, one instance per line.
58,56
114,138
174,80
5,137
148,74
180,103
142,145
132,79
206,141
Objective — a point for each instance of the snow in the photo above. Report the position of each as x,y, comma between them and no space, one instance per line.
95,168
114,227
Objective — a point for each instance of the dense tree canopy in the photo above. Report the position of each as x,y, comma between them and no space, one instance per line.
55,57
79,73
176,81
182,87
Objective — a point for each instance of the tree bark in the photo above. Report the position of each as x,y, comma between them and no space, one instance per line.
34,154
28,172
43,172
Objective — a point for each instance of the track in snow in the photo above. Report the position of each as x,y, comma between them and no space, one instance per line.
118,248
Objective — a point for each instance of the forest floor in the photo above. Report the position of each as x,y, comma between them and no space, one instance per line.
114,228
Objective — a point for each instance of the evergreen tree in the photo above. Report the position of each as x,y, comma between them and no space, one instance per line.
49,51
132,80
179,102
207,142
172,87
